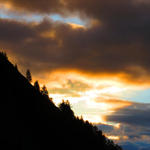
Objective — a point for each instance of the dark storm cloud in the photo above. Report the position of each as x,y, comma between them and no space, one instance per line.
13,32
119,43
35,6
135,115
127,128
135,145
134,126
94,8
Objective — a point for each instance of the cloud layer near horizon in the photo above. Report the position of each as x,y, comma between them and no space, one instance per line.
133,131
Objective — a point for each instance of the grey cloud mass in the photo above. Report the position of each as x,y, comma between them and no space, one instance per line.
136,114
117,44
134,129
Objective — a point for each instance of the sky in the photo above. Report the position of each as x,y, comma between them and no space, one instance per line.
94,53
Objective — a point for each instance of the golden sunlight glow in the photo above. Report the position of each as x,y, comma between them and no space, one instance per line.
117,125
98,96
6,6
57,98
113,89
102,106
50,34
93,118
76,26
112,137
125,137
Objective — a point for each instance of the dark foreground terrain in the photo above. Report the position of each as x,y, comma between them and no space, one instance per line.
29,120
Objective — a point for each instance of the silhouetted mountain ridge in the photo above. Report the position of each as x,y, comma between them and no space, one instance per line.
30,120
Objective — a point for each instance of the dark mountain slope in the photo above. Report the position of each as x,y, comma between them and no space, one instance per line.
30,121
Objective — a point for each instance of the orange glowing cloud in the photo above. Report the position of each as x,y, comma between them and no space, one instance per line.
112,137
87,51
76,26
49,34
6,6
100,97
114,104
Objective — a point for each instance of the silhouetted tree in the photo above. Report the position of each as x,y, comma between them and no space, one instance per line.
51,99
4,55
44,91
16,67
65,107
36,85
28,75
36,123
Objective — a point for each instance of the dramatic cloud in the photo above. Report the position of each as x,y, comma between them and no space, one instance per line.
116,41
135,114
135,146
35,6
52,45
71,88
113,42
133,126
133,130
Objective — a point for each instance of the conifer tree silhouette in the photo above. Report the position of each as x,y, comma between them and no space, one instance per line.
16,67
44,91
36,122
36,85
65,107
4,55
28,75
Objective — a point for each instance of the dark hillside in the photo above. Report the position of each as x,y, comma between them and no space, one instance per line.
30,121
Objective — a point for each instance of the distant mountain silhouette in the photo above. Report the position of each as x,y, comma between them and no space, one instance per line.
29,120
